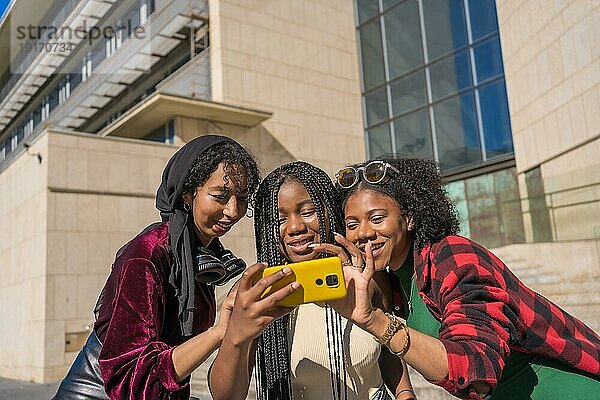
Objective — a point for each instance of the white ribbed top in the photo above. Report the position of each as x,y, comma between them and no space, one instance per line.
311,379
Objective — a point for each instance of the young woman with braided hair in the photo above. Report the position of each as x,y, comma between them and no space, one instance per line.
471,326
313,352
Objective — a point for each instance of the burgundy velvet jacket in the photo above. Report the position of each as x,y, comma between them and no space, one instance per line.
137,322
485,311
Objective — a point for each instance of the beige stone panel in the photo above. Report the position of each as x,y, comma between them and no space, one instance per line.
578,122
100,253
136,174
54,344
284,67
108,218
32,256
77,250
564,128
35,291
65,210
62,139
146,212
581,165
154,170
117,172
88,289
587,194
35,333
577,222
65,296
87,209
127,213
96,168
591,104
76,169
49,297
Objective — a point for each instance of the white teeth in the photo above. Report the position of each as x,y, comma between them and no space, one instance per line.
300,244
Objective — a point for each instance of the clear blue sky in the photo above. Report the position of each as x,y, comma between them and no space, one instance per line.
3,5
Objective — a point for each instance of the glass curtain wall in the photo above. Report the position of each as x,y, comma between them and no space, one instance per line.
433,86
433,81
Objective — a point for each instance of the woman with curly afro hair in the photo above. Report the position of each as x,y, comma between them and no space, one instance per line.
462,319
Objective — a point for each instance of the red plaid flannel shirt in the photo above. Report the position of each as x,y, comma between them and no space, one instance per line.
485,311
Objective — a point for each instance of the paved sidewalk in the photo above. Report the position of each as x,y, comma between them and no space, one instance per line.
19,390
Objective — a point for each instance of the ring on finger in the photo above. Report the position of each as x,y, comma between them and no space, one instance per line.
347,263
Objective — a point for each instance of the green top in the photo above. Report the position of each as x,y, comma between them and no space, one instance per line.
525,376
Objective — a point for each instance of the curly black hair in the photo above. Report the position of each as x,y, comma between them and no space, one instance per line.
272,359
233,156
419,192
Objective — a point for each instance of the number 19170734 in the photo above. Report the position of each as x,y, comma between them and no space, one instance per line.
47,47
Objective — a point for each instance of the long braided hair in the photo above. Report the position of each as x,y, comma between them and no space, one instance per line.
273,356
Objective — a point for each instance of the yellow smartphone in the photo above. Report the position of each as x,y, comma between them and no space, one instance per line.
321,279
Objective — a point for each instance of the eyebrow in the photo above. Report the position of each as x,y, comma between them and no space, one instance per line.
371,212
226,189
307,202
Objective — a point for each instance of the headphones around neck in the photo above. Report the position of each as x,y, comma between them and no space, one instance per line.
216,268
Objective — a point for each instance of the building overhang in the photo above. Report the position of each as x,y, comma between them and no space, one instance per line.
159,108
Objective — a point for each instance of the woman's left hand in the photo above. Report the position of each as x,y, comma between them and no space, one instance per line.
225,311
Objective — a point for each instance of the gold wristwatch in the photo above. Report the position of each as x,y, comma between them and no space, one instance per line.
396,323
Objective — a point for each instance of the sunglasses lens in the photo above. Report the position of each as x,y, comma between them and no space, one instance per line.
374,172
346,177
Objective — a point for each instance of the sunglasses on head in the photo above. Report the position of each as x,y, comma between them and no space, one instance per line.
374,172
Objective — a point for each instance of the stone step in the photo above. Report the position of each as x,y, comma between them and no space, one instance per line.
426,390
561,286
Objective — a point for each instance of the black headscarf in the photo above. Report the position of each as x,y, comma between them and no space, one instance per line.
169,203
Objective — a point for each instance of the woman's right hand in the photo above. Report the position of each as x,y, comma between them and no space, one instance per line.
251,314
358,273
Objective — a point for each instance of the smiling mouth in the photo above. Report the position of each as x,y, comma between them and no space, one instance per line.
301,245
376,248
224,226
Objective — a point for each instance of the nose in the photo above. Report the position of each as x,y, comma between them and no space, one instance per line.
295,225
232,209
365,232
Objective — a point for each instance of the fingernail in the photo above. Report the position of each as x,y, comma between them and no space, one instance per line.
313,245
337,234
295,285
286,271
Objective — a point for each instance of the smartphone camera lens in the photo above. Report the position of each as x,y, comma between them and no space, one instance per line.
319,282
332,280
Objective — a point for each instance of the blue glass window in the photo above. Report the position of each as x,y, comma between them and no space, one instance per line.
377,106
456,131
388,3
380,141
445,26
403,37
366,9
413,134
495,119
373,72
409,92
488,59
483,17
450,75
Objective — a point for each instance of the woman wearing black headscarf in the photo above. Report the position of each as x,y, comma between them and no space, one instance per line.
155,315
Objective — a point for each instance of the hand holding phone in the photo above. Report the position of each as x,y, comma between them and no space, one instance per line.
321,279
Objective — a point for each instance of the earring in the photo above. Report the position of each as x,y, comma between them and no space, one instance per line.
186,207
